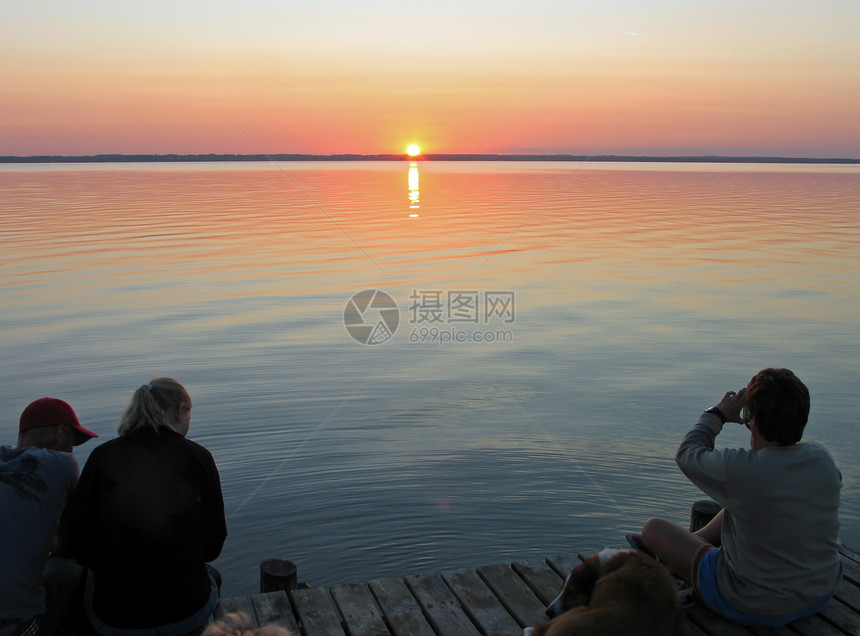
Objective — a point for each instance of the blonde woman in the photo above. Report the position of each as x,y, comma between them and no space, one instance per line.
146,518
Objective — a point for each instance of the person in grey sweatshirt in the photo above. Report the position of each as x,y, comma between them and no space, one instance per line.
771,554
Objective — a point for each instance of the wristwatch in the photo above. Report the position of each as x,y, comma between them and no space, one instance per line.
716,411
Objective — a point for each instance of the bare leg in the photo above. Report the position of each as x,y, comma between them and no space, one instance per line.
712,532
676,546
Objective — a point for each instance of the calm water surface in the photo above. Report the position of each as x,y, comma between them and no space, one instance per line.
639,293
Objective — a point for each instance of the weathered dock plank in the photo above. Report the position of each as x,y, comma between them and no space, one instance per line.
441,607
772,631
712,624
492,600
316,613
513,593
813,626
400,608
480,604
842,616
850,553
848,593
850,570
273,608
358,609
542,579
563,564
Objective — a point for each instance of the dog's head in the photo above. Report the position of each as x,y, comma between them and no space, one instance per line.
579,584
575,591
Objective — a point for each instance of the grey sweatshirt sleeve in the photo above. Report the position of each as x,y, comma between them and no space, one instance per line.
699,462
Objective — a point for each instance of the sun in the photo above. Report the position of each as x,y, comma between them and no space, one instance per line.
412,150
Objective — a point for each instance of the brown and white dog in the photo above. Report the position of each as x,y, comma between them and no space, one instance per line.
614,593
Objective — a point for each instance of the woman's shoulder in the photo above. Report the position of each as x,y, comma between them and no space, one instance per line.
192,447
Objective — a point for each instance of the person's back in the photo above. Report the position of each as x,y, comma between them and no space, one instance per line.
771,554
147,522
35,485
146,518
780,528
37,479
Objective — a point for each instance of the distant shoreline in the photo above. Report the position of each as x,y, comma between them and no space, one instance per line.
175,158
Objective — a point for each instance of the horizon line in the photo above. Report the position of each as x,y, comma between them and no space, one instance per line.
216,157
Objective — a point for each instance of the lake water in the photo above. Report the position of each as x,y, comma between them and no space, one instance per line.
619,301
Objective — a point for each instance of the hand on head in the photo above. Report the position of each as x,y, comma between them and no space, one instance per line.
731,405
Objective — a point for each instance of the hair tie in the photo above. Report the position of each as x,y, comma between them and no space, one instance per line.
148,387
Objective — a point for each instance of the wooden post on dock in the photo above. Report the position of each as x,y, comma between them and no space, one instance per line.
277,574
702,512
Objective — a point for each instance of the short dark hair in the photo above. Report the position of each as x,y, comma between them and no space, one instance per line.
39,437
779,403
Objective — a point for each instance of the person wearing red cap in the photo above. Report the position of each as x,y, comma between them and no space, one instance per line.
37,478
51,423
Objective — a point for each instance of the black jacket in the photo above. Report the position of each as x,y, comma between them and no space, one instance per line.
147,516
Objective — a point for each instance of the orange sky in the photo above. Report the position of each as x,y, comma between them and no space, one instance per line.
455,77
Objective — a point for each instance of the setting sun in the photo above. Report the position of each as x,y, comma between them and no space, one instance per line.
413,150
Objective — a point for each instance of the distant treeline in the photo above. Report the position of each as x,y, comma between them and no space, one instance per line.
116,158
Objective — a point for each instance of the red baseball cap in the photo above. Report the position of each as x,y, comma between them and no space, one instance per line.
53,412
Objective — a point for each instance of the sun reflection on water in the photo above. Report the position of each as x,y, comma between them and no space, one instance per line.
414,194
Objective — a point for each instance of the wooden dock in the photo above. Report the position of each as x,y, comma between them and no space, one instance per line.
492,600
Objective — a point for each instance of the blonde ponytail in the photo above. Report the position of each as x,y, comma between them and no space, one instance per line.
150,405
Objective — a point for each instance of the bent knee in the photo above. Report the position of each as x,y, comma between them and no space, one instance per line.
654,526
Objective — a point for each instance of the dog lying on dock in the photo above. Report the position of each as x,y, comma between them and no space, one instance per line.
613,593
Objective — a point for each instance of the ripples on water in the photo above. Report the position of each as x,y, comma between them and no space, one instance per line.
643,292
